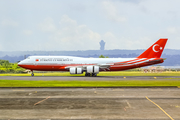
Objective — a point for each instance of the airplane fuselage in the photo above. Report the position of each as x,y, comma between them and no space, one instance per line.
62,63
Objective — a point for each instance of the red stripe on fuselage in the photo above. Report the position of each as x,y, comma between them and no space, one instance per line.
130,62
145,62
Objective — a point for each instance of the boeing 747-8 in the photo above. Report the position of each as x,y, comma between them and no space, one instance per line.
92,66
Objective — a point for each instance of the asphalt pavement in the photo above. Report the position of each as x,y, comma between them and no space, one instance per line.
90,103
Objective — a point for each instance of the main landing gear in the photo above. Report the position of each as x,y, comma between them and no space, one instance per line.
32,74
91,74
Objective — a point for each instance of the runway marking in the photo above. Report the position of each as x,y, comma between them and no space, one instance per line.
156,90
175,106
41,101
160,108
18,90
129,106
118,89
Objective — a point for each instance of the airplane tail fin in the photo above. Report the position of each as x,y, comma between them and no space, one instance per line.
155,50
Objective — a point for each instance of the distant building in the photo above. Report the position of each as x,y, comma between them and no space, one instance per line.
154,69
102,44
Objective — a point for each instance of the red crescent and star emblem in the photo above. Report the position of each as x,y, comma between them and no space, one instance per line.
157,48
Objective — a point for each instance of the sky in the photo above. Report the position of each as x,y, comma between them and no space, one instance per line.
71,25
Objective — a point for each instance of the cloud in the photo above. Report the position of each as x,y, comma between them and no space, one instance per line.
116,42
143,42
61,25
172,30
9,23
72,36
47,25
27,32
66,20
111,41
112,12
69,35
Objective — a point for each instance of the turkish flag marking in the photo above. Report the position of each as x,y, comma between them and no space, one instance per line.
37,59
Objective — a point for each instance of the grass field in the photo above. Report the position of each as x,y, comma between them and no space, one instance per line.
128,83
76,83
121,73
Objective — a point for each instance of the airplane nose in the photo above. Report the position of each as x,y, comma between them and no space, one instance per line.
19,63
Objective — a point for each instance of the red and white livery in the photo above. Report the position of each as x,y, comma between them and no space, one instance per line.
92,66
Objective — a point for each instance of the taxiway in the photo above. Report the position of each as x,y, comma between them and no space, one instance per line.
81,78
90,103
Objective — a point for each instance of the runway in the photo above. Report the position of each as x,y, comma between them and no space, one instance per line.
90,103
103,78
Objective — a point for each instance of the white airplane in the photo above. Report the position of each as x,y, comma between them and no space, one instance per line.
92,66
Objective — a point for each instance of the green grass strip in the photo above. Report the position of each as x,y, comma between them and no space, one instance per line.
119,73
124,83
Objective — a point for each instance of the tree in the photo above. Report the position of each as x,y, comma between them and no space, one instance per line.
6,67
5,64
102,56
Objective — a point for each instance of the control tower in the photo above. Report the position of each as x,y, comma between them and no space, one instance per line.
102,44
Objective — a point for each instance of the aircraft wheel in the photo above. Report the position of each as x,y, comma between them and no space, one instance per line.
32,74
94,74
88,74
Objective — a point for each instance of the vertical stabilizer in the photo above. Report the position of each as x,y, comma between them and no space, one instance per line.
155,50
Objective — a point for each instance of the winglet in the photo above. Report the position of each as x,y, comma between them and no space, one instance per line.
155,50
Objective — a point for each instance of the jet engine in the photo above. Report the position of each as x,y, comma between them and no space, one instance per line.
92,69
75,70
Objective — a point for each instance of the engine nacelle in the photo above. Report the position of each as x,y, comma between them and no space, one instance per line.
75,70
92,69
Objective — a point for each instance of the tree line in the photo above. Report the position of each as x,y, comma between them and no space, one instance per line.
7,67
